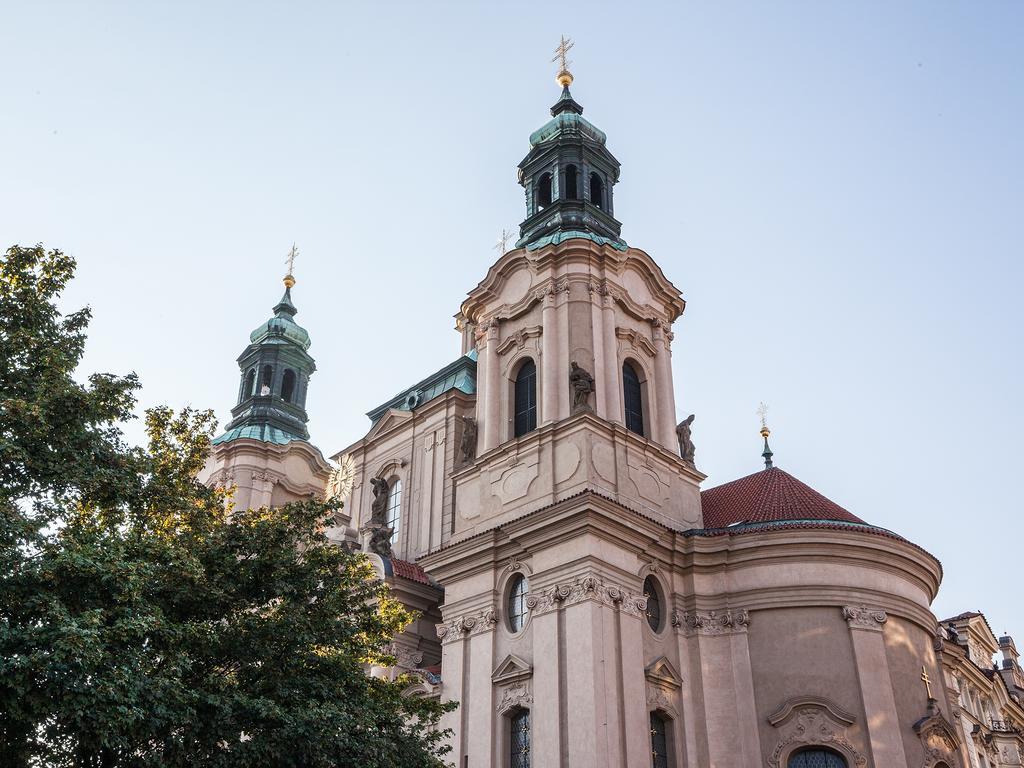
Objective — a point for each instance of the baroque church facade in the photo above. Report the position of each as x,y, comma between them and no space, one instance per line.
586,602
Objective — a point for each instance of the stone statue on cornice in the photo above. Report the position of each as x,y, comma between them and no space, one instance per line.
468,444
379,506
687,450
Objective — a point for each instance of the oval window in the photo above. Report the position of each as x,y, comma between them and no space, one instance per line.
653,612
517,603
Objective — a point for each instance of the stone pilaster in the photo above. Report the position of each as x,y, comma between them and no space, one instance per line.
866,632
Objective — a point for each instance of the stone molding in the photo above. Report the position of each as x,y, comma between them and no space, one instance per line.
727,622
405,658
584,589
938,737
637,340
863,617
812,721
519,338
461,626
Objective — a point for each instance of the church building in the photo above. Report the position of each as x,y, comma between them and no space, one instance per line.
586,602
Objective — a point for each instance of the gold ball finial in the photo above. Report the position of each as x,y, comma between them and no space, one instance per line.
765,432
564,79
289,281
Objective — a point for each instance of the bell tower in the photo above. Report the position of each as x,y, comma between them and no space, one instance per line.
265,450
568,176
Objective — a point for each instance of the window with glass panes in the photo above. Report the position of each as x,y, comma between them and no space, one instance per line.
816,758
525,416
632,396
659,741
520,741
394,517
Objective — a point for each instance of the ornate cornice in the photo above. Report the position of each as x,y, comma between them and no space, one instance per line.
729,621
863,617
584,589
461,626
519,338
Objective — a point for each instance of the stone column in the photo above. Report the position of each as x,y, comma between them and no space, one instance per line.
666,431
545,716
481,717
882,721
453,663
562,358
612,370
601,364
489,404
549,360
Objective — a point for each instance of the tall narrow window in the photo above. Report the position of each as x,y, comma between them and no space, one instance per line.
517,603
653,604
266,380
394,516
632,396
659,741
544,191
525,417
520,741
596,190
816,758
250,385
571,183
288,385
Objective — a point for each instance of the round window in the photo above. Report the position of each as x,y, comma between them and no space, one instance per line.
653,612
517,602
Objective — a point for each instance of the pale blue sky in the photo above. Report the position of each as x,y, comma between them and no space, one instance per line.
837,189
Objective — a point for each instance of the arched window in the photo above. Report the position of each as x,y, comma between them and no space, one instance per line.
288,385
266,380
596,190
653,603
632,396
525,407
520,739
659,741
250,384
816,757
394,512
571,183
544,191
517,602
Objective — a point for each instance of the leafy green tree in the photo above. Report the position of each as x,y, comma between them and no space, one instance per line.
143,622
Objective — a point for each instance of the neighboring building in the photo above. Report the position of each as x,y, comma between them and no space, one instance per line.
536,500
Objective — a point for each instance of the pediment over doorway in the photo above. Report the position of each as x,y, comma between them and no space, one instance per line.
661,672
512,669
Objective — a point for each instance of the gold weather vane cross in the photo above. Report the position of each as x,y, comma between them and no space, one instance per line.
562,57
289,279
762,411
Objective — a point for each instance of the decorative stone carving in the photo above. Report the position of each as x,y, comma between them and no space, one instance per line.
938,737
378,508
587,588
582,385
516,695
687,450
467,446
862,617
637,340
810,721
342,477
716,622
518,339
380,540
405,658
461,626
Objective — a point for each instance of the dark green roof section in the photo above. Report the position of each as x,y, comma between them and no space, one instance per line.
263,432
460,375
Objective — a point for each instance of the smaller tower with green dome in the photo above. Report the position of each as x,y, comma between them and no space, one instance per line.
568,176
275,370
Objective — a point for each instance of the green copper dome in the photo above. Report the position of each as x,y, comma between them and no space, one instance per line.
281,328
567,124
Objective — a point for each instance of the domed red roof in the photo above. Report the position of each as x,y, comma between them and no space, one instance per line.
768,496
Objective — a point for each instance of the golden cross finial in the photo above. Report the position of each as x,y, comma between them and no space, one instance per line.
502,245
562,57
762,411
927,681
289,279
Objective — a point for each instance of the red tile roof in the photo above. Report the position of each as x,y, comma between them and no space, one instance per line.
406,570
770,495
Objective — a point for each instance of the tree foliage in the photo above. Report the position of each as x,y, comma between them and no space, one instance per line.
143,622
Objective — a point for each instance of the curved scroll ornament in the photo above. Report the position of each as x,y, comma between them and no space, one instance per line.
515,696
812,721
460,626
715,622
587,588
862,617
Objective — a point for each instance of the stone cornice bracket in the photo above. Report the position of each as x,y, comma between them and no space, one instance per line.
461,626
727,622
862,617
